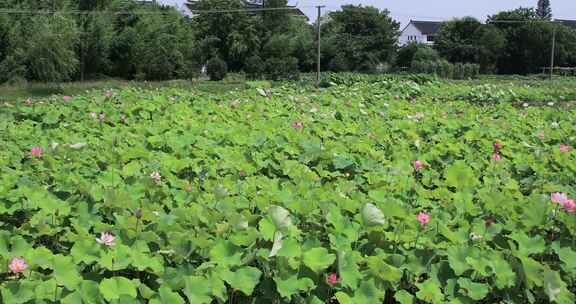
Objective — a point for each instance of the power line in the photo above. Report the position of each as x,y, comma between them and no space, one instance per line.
72,12
77,12
245,10
523,21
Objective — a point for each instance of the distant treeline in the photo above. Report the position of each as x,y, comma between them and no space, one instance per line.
89,39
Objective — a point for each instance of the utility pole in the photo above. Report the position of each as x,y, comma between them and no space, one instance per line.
319,7
552,55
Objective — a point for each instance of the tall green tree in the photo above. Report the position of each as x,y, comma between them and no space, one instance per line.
233,36
456,40
276,21
529,42
162,46
491,44
46,45
359,38
95,43
543,10
405,54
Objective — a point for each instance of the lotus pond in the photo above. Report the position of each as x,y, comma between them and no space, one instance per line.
384,191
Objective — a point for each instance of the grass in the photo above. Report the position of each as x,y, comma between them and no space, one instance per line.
11,93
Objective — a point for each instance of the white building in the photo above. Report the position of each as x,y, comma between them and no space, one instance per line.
180,5
419,32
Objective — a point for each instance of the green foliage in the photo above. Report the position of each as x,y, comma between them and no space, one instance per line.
161,46
491,43
95,44
406,53
45,46
426,53
281,68
254,67
12,69
528,43
216,69
359,38
250,209
543,9
235,35
445,69
456,41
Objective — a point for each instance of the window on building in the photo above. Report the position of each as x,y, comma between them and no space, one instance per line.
430,38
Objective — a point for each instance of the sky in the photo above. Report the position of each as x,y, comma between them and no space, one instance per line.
437,10
404,10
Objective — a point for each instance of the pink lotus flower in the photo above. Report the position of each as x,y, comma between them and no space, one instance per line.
565,148
332,279
570,206
498,146
123,118
156,176
18,265
558,198
36,151
297,125
423,218
29,101
107,239
496,157
102,117
418,165
67,98
93,115
109,94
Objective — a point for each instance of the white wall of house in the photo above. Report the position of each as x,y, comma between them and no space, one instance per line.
411,34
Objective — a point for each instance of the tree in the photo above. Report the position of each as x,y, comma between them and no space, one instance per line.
456,41
491,44
95,44
235,36
276,20
161,46
361,38
46,46
544,10
303,43
216,69
426,53
406,53
529,43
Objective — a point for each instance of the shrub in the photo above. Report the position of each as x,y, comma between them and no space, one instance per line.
47,47
11,69
216,69
254,67
338,64
415,52
445,69
282,68
426,53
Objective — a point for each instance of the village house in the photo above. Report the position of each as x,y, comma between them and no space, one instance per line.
419,32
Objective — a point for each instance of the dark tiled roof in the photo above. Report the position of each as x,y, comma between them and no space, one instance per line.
570,23
257,4
427,27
